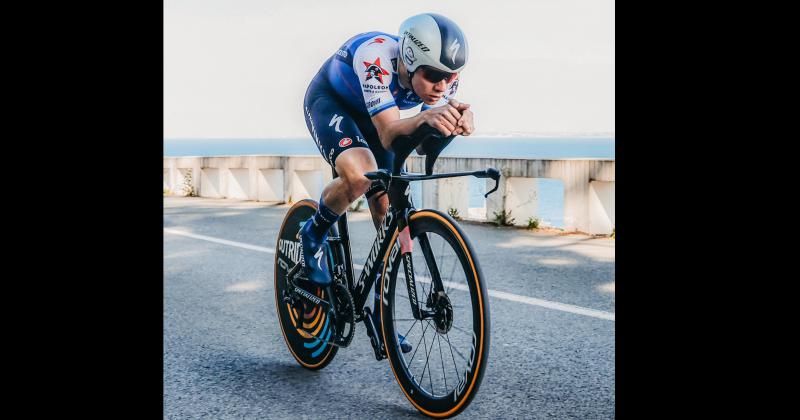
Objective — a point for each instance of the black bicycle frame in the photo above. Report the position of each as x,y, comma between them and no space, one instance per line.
397,185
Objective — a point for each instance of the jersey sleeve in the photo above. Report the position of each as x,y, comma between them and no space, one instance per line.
450,93
372,64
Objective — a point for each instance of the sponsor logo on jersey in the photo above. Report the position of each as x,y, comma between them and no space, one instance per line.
345,142
377,40
373,88
360,140
342,53
373,102
416,41
375,70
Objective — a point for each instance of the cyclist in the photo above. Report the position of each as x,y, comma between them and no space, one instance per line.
352,112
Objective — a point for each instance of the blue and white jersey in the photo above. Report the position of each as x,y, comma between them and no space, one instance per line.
363,73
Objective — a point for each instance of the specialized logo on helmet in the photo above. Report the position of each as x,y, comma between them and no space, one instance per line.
409,56
345,142
375,70
454,50
416,41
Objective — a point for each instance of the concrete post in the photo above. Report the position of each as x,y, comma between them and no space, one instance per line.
601,207
453,193
173,175
238,183
430,194
252,178
165,179
210,183
197,164
522,199
496,202
576,196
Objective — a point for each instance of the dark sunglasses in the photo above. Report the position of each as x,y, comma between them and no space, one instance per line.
435,76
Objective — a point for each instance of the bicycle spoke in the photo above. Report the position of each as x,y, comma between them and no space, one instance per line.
415,352
469,333
447,338
409,330
427,360
443,241
458,375
416,347
455,264
441,357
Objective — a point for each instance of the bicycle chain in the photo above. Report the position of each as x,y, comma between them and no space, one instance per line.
345,308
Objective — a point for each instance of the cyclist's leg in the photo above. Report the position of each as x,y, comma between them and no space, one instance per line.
378,203
336,135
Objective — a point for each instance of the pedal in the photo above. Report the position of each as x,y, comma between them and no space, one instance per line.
372,332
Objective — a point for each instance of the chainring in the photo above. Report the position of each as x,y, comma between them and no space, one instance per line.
345,315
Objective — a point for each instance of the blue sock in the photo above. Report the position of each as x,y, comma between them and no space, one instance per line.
322,220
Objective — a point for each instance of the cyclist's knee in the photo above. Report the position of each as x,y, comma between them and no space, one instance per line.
357,185
351,167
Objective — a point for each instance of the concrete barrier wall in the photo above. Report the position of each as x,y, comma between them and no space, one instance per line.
588,184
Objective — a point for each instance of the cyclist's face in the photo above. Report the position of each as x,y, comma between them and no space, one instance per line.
430,84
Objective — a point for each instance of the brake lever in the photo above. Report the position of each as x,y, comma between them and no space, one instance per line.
495,175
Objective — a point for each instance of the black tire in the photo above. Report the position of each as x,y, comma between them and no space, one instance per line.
463,348
309,352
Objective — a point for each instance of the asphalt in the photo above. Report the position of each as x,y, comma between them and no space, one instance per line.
224,356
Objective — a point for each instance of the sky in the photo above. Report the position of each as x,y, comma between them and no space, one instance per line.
240,68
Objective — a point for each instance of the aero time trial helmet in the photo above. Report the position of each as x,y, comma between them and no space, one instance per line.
432,40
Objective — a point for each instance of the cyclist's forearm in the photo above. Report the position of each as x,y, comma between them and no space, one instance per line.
404,126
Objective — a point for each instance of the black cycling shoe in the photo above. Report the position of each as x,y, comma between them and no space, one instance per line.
313,257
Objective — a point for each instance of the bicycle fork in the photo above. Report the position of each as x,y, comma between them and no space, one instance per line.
406,248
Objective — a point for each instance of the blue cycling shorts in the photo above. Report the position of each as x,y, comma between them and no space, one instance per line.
335,126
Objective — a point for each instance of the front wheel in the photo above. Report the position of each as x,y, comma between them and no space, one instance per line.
442,374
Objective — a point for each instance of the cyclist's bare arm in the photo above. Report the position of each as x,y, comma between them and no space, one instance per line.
389,124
